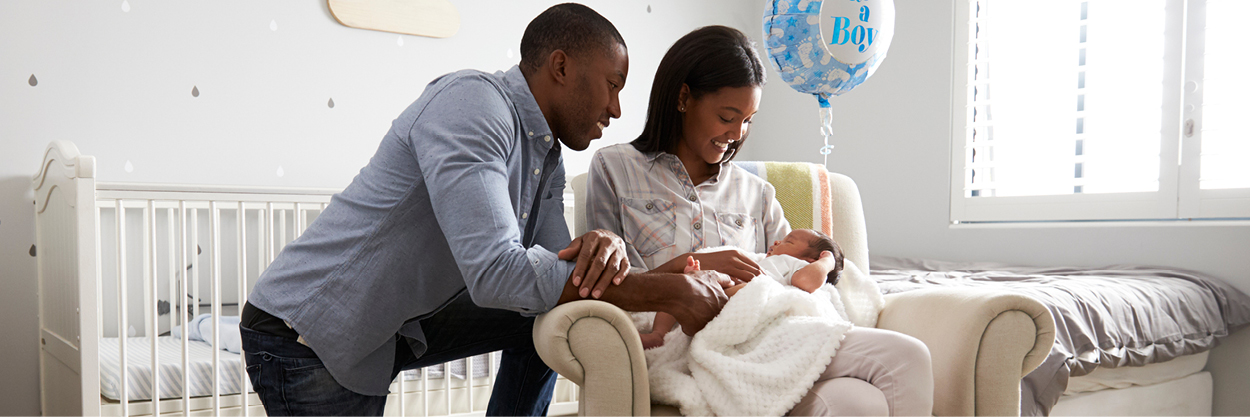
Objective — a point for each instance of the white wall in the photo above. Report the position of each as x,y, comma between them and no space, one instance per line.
893,138
116,78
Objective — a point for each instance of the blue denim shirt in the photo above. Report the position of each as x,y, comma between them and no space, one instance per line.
444,206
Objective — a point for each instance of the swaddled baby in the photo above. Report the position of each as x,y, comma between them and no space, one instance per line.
805,259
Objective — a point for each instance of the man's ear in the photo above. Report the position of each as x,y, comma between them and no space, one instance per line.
558,66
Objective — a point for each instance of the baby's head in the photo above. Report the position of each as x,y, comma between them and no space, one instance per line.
807,244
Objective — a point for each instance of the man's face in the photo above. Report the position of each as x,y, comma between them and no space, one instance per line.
593,98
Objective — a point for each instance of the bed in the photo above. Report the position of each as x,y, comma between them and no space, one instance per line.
1129,340
123,267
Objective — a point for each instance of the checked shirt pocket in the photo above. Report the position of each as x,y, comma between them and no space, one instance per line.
649,225
737,229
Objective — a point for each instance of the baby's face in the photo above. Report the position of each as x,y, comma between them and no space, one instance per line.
796,244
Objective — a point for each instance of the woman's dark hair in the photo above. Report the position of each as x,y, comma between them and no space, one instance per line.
822,243
571,27
706,60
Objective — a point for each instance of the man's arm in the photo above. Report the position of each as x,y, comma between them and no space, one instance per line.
693,301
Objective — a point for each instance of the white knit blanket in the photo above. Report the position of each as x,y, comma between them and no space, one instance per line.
760,356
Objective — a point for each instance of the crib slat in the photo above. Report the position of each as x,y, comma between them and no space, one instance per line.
281,229
173,266
182,300
193,288
151,314
120,214
214,230
402,393
241,244
425,392
299,220
447,385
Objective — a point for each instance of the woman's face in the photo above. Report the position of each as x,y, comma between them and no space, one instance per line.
714,121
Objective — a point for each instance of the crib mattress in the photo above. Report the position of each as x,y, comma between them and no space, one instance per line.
200,360
139,368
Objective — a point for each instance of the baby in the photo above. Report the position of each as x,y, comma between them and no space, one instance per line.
805,259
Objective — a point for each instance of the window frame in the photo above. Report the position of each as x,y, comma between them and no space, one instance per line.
1178,197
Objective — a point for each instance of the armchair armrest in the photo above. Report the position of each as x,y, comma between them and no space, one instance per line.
595,345
982,343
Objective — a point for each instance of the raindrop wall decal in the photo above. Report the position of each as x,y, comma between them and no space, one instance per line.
32,250
331,102
195,91
273,25
33,81
130,167
648,8
280,171
399,41
125,6
509,53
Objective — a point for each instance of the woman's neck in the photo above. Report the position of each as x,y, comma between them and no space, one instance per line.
698,169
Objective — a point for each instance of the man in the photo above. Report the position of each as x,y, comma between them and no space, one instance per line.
441,247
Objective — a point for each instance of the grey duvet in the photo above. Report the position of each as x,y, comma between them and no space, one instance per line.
1110,316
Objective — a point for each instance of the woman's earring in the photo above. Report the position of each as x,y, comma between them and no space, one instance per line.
681,109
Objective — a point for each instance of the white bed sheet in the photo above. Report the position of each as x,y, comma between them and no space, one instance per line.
1188,396
1124,377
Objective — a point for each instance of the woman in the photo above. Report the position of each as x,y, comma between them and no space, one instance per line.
673,191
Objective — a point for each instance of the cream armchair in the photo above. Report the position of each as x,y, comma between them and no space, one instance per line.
982,342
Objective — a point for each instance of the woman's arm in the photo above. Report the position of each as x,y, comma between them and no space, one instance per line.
811,277
730,262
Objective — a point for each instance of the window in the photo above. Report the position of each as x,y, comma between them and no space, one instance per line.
1100,110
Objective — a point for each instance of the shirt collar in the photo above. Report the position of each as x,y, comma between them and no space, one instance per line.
518,90
677,167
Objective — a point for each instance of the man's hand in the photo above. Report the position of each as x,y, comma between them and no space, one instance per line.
601,259
731,262
704,301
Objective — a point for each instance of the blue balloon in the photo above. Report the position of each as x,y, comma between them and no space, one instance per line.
828,47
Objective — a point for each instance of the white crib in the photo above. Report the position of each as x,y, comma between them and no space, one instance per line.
181,251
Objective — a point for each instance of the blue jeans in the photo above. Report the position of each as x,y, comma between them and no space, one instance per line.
291,380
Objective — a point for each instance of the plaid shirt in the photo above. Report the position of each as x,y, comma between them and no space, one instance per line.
648,199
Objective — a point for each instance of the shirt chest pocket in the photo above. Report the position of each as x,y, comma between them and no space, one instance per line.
649,225
738,229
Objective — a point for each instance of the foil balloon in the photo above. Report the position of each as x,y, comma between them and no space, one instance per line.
826,48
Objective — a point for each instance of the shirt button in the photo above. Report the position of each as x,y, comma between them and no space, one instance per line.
547,138
531,133
525,215
537,171
698,226
738,222
691,197
650,206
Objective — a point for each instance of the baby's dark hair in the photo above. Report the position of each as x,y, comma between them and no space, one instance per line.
822,243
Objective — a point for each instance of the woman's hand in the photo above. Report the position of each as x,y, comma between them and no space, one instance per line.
601,259
730,262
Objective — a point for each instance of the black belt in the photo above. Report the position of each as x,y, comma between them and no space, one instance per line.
261,321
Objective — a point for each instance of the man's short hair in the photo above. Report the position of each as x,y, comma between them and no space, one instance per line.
823,242
571,27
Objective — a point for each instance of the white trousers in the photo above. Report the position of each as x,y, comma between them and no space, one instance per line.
874,373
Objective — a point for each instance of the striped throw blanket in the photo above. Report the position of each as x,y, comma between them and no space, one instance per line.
802,190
